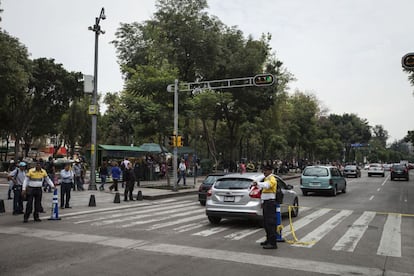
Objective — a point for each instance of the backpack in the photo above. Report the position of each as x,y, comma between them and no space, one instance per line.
279,194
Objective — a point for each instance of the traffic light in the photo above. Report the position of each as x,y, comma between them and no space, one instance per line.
407,61
172,142
263,80
180,141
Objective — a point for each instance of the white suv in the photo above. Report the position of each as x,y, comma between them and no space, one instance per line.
376,169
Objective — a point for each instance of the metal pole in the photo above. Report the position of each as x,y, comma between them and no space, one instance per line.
175,132
97,29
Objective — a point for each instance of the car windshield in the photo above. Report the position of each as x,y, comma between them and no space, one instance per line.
316,171
233,183
398,167
375,165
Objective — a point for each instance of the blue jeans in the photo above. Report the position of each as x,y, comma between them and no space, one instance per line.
181,175
103,181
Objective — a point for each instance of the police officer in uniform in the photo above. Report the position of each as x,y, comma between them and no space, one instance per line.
268,197
32,189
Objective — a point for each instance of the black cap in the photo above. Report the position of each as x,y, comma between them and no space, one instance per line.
267,168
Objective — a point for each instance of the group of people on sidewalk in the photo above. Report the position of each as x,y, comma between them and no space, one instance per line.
125,172
29,185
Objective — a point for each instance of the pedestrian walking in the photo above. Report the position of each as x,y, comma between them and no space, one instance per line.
129,177
17,177
103,174
12,167
116,175
50,169
77,170
32,189
182,170
268,198
66,177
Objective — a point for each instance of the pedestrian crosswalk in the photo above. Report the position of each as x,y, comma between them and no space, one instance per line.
339,230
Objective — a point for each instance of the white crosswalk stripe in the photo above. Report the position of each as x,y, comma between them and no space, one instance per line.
390,244
188,217
349,241
317,234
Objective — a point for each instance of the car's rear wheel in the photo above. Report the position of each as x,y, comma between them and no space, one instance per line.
294,210
214,220
333,191
344,189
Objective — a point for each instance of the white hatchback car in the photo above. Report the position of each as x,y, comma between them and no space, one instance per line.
376,169
232,196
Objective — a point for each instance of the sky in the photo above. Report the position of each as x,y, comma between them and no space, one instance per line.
345,52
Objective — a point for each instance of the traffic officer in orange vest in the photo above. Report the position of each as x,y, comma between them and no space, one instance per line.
268,198
32,189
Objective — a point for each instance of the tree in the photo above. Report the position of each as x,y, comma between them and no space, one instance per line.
15,72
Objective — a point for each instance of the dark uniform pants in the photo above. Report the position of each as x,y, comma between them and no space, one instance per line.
129,188
65,192
17,199
36,195
269,219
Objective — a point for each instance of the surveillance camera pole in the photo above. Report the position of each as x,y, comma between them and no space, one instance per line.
93,109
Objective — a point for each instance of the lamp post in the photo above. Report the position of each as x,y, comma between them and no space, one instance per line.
93,108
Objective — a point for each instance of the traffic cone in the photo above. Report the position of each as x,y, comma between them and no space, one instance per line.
55,207
2,209
117,198
139,196
279,226
92,201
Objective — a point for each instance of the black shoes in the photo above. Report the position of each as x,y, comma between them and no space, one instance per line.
25,220
68,207
269,246
263,243
37,219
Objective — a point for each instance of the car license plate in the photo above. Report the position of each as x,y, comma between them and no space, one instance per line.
228,198
314,184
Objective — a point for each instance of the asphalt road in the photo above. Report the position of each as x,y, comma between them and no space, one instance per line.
367,231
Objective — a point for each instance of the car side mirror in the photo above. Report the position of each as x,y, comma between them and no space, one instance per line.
289,187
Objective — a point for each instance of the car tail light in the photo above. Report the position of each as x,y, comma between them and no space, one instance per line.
255,193
331,182
209,192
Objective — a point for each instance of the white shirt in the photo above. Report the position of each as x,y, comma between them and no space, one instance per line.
182,166
66,176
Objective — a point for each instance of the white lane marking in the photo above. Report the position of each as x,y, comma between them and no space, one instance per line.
189,227
242,234
286,231
139,222
149,213
350,239
137,214
298,224
205,253
379,189
211,231
372,197
175,222
390,244
116,213
317,234
383,183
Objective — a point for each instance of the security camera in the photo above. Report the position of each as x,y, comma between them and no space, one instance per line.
103,16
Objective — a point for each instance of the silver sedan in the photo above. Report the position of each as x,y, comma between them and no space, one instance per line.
232,196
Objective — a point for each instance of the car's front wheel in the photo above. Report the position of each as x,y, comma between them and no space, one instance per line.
294,210
214,220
